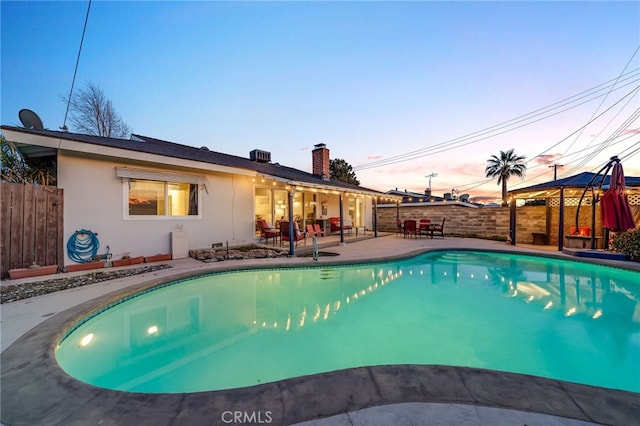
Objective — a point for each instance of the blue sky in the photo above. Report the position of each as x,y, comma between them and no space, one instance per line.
372,80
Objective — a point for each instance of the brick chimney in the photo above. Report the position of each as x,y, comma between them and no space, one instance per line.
321,161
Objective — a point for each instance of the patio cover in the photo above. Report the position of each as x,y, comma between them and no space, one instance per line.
551,189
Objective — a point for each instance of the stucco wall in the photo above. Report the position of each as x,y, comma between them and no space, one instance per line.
95,200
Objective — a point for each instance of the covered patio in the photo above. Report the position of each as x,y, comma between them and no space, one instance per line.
303,203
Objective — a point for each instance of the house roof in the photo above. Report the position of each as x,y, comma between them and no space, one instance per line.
145,144
579,181
408,196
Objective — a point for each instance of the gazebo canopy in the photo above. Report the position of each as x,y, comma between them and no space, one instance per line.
573,183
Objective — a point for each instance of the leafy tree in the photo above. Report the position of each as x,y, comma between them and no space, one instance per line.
342,171
16,168
92,113
504,166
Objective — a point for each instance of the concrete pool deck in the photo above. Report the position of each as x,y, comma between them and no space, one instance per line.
36,391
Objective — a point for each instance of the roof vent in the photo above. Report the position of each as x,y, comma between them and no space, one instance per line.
260,156
204,148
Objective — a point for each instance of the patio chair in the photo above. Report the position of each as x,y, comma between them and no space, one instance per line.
399,227
336,225
410,227
284,233
438,228
319,231
310,231
267,231
424,227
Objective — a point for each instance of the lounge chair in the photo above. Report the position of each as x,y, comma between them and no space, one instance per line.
267,231
284,233
410,227
438,228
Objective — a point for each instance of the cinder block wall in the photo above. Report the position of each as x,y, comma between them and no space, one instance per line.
584,219
530,219
464,221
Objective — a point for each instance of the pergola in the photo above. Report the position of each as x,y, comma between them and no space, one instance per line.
578,193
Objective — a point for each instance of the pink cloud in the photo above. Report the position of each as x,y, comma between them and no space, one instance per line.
466,169
546,158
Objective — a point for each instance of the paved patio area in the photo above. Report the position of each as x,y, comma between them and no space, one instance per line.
36,391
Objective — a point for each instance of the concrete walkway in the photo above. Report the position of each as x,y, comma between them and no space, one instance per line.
36,391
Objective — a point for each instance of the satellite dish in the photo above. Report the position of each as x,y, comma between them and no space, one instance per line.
30,119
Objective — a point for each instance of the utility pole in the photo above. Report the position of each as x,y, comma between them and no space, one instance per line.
555,170
431,175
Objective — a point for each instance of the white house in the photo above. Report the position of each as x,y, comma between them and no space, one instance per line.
137,193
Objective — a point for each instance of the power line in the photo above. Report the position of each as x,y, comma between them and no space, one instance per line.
599,148
588,156
607,95
488,132
476,184
75,71
566,173
587,124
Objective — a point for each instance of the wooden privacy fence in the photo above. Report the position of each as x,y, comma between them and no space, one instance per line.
32,227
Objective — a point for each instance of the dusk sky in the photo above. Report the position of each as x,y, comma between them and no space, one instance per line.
397,89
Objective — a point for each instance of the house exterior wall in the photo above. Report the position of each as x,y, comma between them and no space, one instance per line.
95,200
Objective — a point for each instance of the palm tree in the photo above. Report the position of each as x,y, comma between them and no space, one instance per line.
503,167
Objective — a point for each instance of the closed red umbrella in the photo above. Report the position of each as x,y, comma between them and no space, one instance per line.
614,204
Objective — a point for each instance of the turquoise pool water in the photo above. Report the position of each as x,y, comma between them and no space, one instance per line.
558,319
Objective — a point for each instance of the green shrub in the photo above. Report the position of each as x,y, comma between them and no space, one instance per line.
628,243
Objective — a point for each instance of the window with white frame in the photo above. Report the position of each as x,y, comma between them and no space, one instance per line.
162,198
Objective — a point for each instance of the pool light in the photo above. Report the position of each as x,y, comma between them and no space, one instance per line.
86,340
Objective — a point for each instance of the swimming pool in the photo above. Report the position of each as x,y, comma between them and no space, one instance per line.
546,317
